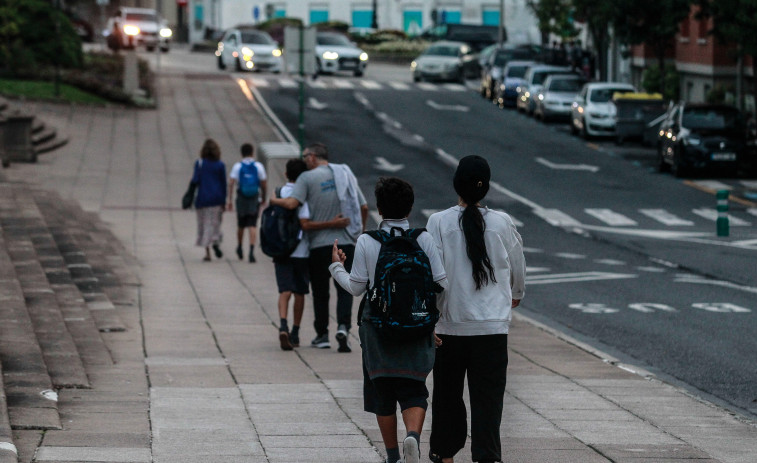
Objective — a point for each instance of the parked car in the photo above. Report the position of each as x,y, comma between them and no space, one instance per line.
506,93
557,95
532,84
593,112
493,70
450,61
334,52
703,137
249,49
132,27
476,36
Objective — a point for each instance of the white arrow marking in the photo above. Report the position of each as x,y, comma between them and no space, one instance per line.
315,104
385,165
552,165
447,107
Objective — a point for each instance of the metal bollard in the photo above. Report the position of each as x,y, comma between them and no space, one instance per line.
722,220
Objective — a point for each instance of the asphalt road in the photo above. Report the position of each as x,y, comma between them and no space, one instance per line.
619,256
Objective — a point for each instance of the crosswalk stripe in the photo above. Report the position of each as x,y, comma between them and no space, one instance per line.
611,218
663,216
318,83
399,85
750,184
338,83
753,211
258,82
428,87
712,214
713,185
557,218
287,83
455,87
370,84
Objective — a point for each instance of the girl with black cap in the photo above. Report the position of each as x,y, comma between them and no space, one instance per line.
483,258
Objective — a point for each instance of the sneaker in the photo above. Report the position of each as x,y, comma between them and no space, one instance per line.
411,450
252,258
294,339
286,344
321,341
240,254
343,338
218,251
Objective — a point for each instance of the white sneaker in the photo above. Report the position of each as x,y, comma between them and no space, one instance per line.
411,451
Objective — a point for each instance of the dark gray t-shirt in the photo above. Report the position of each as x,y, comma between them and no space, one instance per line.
317,188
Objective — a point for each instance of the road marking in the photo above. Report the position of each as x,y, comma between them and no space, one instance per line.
609,261
317,105
533,250
399,86
536,269
575,277
557,218
611,218
696,279
752,210
419,138
665,217
447,107
650,269
370,84
570,255
318,83
750,184
344,84
258,82
428,87
649,307
455,87
287,83
713,185
552,165
712,214
383,164
720,307
592,308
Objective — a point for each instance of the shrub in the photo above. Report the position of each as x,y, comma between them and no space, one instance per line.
650,81
336,26
384,35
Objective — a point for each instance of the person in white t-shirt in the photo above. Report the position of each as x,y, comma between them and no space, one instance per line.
247,206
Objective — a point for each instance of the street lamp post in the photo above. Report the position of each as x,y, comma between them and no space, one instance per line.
501,32
374,20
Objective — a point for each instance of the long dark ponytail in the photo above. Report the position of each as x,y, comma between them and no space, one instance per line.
471,183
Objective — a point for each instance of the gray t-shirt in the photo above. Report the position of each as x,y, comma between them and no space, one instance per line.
317,188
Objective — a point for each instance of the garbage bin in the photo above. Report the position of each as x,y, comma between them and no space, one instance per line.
634,111
17,137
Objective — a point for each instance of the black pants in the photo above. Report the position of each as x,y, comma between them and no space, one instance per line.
484,359
318,263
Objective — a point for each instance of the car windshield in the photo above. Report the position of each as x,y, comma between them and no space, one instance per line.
146,17
256,38
566,85
603,95
516,71
442,50
710,118
504,56
338,40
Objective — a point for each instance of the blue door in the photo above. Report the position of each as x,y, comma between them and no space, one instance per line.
412,22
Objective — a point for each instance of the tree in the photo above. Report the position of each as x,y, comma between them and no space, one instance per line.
651,22
734,28
553,17
598,15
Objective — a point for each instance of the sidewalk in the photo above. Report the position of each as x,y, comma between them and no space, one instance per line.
198,375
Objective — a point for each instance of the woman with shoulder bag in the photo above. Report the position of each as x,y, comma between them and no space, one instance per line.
210,178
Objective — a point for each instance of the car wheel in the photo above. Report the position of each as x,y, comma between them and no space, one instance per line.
461,76
358,73
238,65
662,166
221,65
150,48
677,168
164,49
573,128
585,132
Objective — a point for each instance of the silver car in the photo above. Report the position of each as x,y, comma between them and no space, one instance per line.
334,52
444,61
556,96
532,84
249,49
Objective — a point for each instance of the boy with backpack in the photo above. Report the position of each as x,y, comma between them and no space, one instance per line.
248,179
402,271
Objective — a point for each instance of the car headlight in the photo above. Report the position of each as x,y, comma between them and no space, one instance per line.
363,56
276,52
131,29
540,97
330,55
247,54
166,32
413,65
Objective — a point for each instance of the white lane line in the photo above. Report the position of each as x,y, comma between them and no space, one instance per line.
344,84
570,255
455,87
609,261
650,269
611,217
399,86
665,217
536,269
258,82
752,210
750,184
428,87
712,214
287,83
713,185
575,277
370,84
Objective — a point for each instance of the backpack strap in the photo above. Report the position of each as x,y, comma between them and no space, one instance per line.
414,233
378,235
277,192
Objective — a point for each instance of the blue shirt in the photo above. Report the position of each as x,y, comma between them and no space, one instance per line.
210,177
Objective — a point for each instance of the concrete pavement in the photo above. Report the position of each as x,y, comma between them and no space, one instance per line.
198,376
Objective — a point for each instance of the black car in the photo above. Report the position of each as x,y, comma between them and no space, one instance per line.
703,137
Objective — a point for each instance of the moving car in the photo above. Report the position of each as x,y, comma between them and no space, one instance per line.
593,112
702,136
444,61
533,80
249,49
334,52
132,27
507,92
493,70
557,95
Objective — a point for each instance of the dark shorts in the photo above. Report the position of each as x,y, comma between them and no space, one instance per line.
247,211
381,395
292,274
247,221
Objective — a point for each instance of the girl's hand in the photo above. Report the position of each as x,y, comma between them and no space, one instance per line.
437,340
337,255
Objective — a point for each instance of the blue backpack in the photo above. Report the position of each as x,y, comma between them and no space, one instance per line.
403,298
249,182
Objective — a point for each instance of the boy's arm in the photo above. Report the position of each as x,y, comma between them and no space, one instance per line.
263,191
337,222
286,203
230,197
355,282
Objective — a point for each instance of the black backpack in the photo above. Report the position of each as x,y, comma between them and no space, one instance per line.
403,298
279,230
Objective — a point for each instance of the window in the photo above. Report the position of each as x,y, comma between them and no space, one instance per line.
449,16
362,18
319,15
490,17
